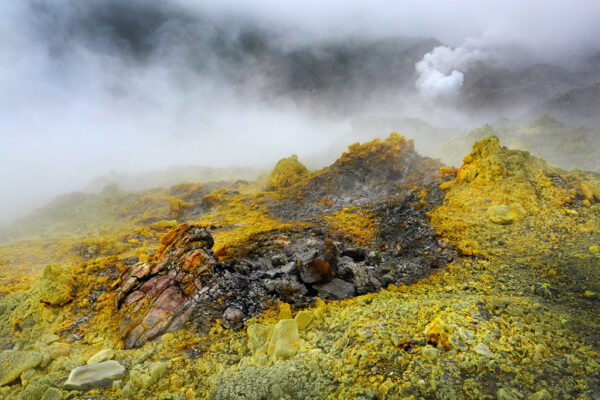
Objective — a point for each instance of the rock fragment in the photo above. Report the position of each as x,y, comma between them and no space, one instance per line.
317,266
233,317
56,285
94,376
158,297
505,215
355,253
337,289
285,340
57,350
14,363
483,350
102,355
544,290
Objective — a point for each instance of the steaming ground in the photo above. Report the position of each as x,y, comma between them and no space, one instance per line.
104,85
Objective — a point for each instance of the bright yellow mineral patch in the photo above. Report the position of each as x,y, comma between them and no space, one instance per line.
437,333
240,217
355,223
286,173
285,340
393,146
505,215
56,285
495,188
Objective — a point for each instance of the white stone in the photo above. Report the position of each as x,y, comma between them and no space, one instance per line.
93,376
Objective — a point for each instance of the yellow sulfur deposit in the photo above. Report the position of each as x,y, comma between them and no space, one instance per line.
286,173
56,285
355,223
505,215
284,342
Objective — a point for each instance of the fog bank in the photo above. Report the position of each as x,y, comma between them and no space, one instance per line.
104,85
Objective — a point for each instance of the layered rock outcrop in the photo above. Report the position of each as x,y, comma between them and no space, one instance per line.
157,297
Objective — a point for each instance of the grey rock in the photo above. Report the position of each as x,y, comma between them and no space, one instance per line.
307,256
94,376
374,258
337,289
288,288
278,260
356,253
233,317
287,269
319,266
360,276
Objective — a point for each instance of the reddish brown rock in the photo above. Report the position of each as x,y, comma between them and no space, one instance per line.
155,298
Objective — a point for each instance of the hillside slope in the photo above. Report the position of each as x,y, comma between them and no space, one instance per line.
384,275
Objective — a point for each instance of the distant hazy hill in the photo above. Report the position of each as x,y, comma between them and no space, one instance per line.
346,74
273,63
122,200
563,145
173,176
580,104
487,88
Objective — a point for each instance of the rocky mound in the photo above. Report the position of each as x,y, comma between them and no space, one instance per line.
286,173
187,282
366,173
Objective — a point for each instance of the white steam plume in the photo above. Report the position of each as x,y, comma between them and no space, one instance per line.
440,72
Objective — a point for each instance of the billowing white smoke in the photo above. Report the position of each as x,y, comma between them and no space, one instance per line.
439,70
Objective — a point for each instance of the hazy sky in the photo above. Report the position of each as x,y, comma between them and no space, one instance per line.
91,86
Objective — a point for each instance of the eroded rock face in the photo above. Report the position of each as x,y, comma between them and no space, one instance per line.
158,297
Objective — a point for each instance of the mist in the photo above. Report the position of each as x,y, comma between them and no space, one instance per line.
91,87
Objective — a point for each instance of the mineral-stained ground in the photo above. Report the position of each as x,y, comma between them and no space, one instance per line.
383,276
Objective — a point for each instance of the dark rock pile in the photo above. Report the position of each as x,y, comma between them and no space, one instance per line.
366,174
186,283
